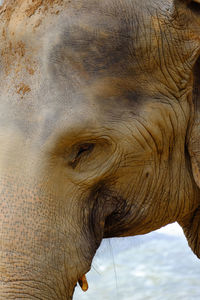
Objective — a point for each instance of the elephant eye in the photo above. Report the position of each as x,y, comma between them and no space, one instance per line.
84,148
79,152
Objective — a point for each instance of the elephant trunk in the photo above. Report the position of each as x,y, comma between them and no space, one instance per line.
34,249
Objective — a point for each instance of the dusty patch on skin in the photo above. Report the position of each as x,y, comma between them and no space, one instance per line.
43,5
30,7
17,60
37,24
16,55
17,16
14,58
23,89
6,11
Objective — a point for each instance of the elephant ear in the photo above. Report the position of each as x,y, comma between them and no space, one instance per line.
194,151
194,133
191,222
193,140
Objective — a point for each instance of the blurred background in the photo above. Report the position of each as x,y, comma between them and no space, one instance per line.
156,266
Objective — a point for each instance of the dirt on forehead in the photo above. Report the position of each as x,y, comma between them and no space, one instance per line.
28,7
20,19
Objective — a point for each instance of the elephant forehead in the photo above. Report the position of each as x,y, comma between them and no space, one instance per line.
127,38
94,36
123,41
94,43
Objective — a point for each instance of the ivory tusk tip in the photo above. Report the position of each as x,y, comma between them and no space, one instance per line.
83,283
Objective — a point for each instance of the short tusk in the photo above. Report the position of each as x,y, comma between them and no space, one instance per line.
83,283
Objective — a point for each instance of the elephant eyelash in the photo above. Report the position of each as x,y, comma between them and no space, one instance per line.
82,150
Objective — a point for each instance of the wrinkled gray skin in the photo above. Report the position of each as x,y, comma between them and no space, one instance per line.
99,118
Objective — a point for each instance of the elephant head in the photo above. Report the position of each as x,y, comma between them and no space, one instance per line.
99,133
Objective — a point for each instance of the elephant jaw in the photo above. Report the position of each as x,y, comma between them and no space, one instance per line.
83,283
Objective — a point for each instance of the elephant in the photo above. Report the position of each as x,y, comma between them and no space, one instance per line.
99,133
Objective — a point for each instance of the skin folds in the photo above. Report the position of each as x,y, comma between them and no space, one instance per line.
99,133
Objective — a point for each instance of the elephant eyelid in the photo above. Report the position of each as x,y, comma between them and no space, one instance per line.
82,149
88,147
